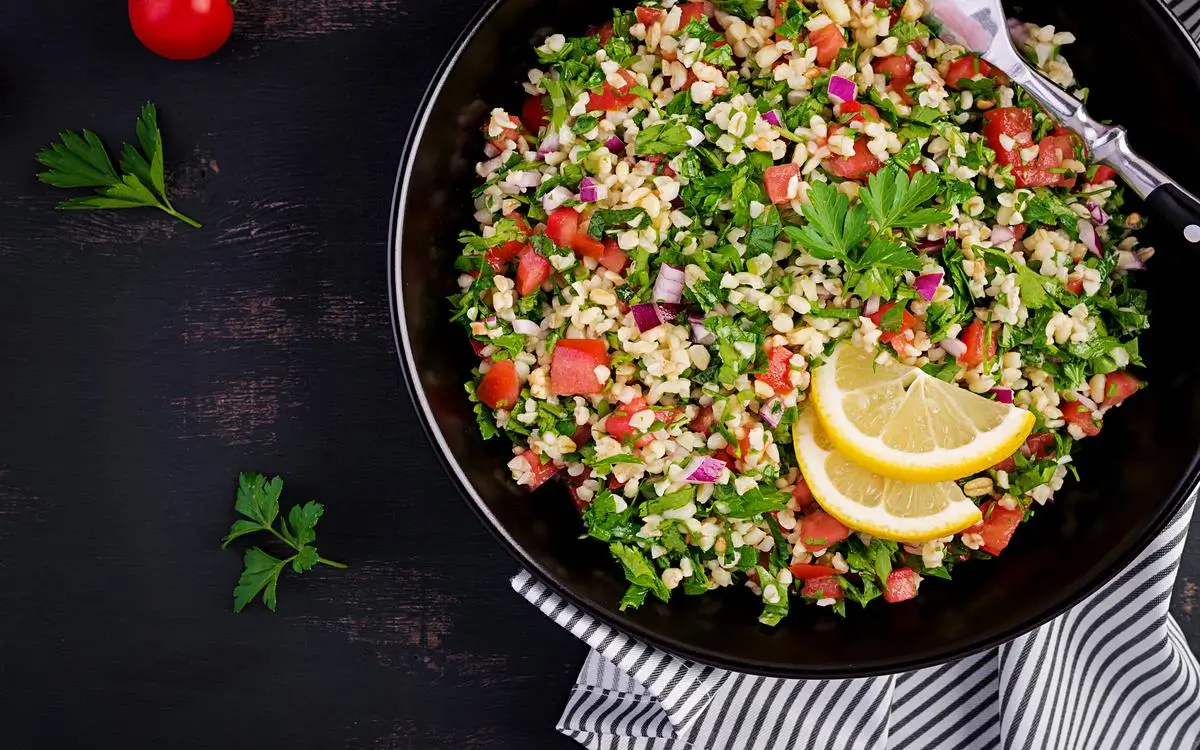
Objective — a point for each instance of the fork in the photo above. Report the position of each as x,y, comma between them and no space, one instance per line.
980,26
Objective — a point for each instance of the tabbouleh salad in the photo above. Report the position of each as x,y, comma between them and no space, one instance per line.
662,261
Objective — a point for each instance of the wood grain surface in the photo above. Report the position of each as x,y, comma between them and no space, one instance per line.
146,363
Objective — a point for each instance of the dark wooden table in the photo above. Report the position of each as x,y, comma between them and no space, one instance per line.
146,363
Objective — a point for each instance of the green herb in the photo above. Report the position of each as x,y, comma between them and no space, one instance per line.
773,612
584,124
79,160
892,321
605,523
258,500
1033,287
894,199
946,371
746,9
671,501
639,572
794,15
662,138
755,501
607,220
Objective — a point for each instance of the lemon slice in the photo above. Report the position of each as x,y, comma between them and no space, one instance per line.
886,508
905,424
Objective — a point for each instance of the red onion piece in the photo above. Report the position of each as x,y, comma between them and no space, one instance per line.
1128,260
526,327
649,315
556,198
549,145
615,145
491,151
587,190
842,88
1090,404
1003,234
871,306
702,335
927,284
704,470
491,321
1003,395
668,287
1099,215
771,412
953,347
773,118
1089,238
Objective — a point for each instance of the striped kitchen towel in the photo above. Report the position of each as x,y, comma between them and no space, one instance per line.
1114,672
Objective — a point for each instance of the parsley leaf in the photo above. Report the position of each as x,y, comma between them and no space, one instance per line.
833,225
258,500
794,15
893,199
662,138
79,160
775,611
605,523
746,9
605,220
1033,287
639,571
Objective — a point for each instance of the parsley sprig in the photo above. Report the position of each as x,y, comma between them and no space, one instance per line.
79,160
873,256
258,500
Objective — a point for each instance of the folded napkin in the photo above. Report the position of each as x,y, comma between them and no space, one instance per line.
1113,672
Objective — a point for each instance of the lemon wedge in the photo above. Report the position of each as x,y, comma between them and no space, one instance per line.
867,502
902,423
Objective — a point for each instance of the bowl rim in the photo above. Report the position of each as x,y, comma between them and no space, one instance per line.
1167,510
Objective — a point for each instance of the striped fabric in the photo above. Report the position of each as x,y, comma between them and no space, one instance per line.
1114,672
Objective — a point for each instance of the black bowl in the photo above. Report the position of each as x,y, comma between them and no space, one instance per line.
1143,72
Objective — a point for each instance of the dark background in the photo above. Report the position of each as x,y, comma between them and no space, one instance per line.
146,363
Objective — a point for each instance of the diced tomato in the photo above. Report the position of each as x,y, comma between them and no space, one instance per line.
689,12
976,337
649,16
500,386
898,69
802,494
997,526
1075,285
562,225
819,530
703,421
533,114
969,67
858,112
1014,122
1119,386
1079,415
501,254
777,178
855,167
1020,230
1104,173
778,374
893,13
532,270
901,585
573,367
507,134
604,31
827,587
612,99
617,423
1052,151
1037,446
540,471
584,245
828,40
807,572
614,258
914,169
907,322
614,483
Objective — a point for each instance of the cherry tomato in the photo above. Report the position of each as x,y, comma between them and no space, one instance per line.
181,29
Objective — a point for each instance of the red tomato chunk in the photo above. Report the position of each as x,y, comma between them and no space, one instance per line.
997,527
827,587
806,572
820,530
500,386
539,472
573,367
777,178
778,374
901,585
